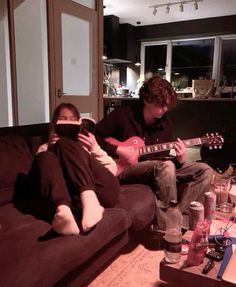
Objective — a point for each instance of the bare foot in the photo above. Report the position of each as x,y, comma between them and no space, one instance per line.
64,222
92,210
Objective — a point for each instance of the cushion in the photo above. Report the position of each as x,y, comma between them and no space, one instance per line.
139,201
16,160
32,255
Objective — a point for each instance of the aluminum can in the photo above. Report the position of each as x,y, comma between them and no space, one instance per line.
209,205
196,214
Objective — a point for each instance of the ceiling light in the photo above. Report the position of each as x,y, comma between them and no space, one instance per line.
137,61
180,3
154,11
167,9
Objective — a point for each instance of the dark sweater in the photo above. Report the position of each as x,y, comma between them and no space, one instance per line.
125,122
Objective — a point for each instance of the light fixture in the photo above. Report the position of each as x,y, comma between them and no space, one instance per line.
168,9
154,11
180,3
104,57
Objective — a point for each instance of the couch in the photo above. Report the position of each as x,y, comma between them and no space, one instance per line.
31,254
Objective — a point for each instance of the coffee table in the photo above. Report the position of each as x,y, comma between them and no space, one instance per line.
191,276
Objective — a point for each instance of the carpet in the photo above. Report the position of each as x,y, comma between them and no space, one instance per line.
136,266
138,263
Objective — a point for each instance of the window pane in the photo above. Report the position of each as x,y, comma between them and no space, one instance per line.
31,61
88,3
191,60
155,60
228,63
76,55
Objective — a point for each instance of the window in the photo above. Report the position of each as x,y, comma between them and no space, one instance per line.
191,60
228,63
155,60
180,61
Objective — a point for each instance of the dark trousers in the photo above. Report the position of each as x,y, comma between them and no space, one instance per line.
68,170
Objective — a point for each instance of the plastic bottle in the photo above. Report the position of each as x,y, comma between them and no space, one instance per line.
173,234
198,244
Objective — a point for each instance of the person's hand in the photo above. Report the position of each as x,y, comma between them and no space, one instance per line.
88,141
53,139
128,154
180,151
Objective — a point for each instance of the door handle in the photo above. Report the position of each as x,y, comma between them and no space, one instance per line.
60,93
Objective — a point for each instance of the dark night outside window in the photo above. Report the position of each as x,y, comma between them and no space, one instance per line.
228,63
155,60
191,60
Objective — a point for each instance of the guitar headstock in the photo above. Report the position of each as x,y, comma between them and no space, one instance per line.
213,140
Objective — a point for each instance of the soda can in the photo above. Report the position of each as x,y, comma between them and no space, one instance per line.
196,214
209,205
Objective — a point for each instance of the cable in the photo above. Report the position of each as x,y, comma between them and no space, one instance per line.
227,241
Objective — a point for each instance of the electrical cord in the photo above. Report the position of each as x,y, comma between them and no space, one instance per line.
227,241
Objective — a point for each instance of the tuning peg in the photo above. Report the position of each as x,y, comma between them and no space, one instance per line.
210,147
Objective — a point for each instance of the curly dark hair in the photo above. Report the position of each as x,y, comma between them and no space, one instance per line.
57,112
158,91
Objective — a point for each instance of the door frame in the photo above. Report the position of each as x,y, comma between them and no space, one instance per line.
52,54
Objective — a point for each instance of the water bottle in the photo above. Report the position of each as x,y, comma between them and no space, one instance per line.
173,234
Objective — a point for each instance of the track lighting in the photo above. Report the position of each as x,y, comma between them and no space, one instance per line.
180,3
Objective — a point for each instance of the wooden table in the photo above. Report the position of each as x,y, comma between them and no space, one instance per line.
192,276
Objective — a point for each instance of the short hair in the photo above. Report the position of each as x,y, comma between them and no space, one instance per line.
158,91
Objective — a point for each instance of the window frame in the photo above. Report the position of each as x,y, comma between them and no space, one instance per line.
218,39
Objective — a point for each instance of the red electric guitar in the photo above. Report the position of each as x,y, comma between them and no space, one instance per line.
212,141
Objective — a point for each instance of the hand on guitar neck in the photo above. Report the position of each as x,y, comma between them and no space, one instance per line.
130,150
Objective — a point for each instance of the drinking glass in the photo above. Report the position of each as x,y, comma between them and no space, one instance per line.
221,189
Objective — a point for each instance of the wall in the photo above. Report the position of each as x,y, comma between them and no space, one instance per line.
196,28
31,60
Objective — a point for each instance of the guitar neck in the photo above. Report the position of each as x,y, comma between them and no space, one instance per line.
166,146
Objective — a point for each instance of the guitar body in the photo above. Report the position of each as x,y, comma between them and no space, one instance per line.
133,142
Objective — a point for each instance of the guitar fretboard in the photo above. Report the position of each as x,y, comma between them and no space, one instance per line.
166,146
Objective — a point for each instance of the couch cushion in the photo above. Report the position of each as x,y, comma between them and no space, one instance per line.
139,201
16,160
30,257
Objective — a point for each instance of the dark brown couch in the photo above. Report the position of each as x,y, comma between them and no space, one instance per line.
31,254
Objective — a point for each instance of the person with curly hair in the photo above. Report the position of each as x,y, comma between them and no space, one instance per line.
146,119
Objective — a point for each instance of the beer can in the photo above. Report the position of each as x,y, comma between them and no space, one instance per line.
196,214
209,205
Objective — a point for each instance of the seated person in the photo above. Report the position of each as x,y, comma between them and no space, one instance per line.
146,118
72,171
